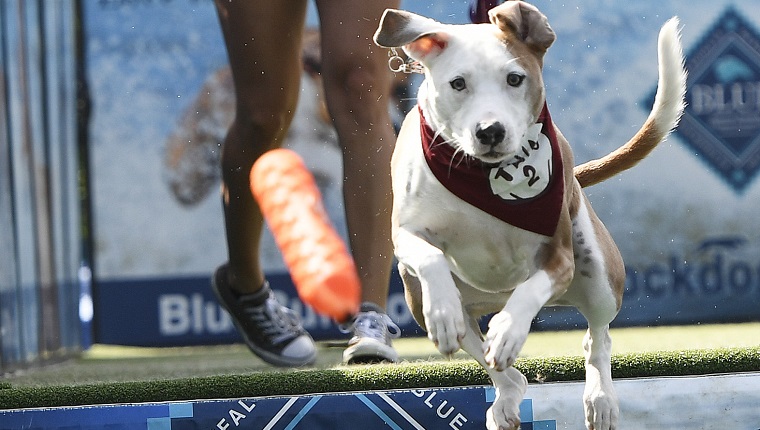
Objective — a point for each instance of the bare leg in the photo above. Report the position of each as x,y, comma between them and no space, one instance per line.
357,84
263,41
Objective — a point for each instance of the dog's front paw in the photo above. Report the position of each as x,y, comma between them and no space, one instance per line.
504,340
601,407
445,326
504,414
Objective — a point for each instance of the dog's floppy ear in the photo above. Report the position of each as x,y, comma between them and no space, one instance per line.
525,21
420,36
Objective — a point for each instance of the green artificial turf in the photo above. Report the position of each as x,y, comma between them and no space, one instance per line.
375,377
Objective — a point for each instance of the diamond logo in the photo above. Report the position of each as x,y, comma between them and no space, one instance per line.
722,119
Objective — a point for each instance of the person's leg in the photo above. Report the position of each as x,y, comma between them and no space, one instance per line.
357,88
263,40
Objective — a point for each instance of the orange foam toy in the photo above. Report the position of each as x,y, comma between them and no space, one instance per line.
320,265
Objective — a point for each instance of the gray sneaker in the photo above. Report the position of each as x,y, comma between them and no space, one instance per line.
372,332
271,331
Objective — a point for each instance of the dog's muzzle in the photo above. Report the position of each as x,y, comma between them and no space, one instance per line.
490,133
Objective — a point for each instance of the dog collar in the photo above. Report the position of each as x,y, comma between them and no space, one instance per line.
526,191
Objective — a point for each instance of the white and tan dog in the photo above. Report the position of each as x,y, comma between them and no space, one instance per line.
482,137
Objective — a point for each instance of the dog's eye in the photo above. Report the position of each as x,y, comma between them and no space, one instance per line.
515,79
458,83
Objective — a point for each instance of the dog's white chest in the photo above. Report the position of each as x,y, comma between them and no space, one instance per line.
485,252
490,255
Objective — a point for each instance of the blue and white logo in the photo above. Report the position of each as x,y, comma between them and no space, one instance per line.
722,119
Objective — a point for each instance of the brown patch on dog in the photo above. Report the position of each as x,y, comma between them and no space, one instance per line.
526,22
526,33
533,63
413,295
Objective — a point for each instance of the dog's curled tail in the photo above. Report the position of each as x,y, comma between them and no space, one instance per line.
669,103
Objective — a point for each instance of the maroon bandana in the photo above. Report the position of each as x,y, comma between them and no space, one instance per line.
526,191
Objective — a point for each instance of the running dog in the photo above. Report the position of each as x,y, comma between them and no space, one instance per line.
489,215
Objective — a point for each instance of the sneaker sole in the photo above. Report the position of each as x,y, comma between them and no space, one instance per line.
369,351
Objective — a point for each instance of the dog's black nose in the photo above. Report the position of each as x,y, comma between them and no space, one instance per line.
490,133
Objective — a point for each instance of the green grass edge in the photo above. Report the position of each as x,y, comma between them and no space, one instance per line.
375,377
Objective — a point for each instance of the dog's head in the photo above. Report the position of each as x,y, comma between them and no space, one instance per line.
483,87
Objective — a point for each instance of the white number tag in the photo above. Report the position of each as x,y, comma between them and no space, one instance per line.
527,175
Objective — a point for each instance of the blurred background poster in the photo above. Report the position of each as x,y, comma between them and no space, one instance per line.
685,219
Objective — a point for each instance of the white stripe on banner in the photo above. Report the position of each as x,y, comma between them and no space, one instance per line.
373,407
400,410
280,413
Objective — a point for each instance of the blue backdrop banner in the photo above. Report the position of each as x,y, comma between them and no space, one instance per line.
685,218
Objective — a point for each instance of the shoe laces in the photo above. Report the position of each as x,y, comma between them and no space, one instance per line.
275,321
373,325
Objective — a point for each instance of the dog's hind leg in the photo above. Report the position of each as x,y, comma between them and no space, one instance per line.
599,398
600,402
596,291
510,384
